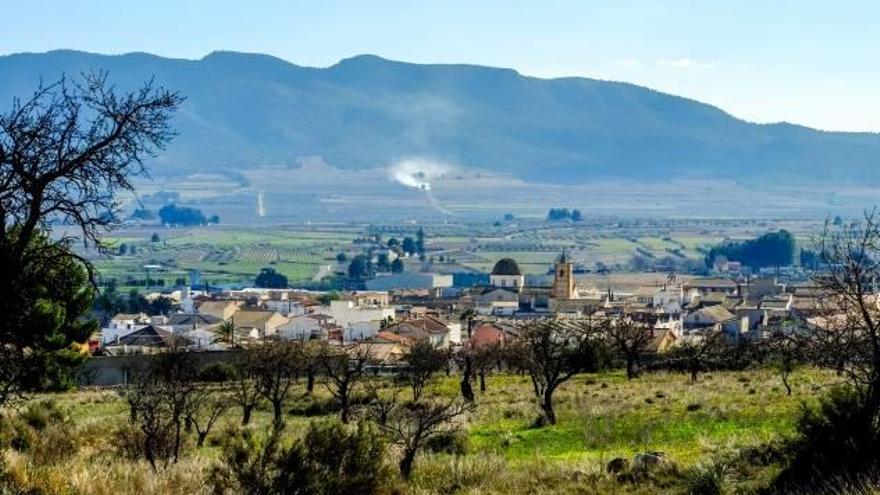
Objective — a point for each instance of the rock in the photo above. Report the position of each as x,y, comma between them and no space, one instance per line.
649,462
617,465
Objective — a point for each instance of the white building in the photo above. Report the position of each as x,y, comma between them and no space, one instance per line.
348,312
507,275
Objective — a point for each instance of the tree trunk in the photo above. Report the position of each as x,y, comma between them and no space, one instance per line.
467,391
344,413
406,464
547,407
201,439
787,385
246,414
278,412
310,380
630,367
482,381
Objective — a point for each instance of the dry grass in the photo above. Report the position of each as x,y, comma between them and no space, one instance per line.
600,417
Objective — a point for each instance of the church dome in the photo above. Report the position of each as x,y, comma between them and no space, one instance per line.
506,266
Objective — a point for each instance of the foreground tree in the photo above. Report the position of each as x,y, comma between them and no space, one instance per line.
345,368
412,424
465,358
65,154
553,351
696,354
274,368
629,339
422,361
161,400
846,337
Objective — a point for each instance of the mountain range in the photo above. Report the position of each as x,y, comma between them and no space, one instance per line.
246,110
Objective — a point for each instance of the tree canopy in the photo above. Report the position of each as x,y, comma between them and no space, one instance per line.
768,250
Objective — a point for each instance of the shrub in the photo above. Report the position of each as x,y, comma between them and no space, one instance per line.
40,414
329,458
707,479
217,372
448,442
837,440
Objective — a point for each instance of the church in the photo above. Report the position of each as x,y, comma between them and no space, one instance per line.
507,293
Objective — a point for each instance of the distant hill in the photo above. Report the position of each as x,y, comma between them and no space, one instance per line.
243,110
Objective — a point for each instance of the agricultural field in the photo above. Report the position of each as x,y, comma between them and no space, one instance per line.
235,254
718,424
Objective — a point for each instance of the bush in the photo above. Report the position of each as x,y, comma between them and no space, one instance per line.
708,479
448,442
38,415
217,372
329,458
837,440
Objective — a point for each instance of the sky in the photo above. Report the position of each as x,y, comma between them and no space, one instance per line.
809,62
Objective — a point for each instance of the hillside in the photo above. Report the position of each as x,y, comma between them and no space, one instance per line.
243,110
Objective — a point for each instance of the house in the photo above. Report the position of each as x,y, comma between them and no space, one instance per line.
387,347
123,324
439,333
662,339
487,334
223,310
263,323
359,309
497,301
708,316
304,327
147,340
180,322
408,280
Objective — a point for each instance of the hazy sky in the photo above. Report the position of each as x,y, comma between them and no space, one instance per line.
809,62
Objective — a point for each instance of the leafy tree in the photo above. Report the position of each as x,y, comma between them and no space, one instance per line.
397,266
576,216
769,250
154,237
174,215
383,264
392,242
270,279
359,268
508,217
341,257
142,214
65,154
123,249
214,219
409,246
420,241
274,367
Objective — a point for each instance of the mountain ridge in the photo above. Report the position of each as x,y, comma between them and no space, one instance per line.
365,111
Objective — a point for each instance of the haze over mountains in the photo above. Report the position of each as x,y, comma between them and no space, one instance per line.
246,110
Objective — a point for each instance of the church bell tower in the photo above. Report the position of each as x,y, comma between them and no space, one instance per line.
563,279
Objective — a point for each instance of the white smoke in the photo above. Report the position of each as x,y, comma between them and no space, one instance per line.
418,173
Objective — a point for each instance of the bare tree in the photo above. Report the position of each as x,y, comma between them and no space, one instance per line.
65,155
274,368
695,354
630,340
553,351
345,368
206,408
244,390
486,357
785,350
161,399
412,424
846,337
422,361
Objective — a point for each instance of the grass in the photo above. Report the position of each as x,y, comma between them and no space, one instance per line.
601,417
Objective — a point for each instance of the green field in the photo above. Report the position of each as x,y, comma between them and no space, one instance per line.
600,417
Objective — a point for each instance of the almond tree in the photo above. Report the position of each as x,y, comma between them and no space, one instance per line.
553,351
